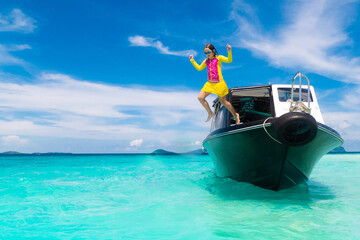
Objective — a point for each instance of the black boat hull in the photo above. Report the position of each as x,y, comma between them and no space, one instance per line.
247,153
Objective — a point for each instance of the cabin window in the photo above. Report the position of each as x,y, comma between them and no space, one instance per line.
285,94
252,104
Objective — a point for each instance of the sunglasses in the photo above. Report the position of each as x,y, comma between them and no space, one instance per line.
206,53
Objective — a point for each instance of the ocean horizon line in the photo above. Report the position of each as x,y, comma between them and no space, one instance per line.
87,154
155,152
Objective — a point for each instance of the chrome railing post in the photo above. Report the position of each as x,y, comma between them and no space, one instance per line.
299,74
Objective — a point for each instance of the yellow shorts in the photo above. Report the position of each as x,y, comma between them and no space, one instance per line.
219,88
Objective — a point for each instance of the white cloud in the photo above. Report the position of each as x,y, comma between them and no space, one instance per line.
7,59
59,106
351,99
61,93
16,21
136,143
71,127
14,47
310,38
13,140
140,41
346,123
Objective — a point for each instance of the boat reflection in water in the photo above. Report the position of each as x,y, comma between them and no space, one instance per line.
281,138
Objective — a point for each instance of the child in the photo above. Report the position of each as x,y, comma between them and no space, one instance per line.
216,83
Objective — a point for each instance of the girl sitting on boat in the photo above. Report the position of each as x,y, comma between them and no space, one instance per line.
215,83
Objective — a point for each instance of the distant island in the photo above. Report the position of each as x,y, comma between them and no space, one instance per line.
12,153
164,152
338,150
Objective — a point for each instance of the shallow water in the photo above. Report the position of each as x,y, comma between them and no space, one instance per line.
170,197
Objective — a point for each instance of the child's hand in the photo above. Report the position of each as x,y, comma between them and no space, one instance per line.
228,47
191,57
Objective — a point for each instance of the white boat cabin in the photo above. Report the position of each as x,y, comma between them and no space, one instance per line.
257,103
282,100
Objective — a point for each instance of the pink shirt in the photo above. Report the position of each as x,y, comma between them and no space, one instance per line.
213,66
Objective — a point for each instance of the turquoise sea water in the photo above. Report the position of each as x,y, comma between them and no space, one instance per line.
170,197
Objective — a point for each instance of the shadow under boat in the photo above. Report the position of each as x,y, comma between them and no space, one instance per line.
302,194
279,141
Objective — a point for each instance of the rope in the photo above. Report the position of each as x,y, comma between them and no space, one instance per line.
268,132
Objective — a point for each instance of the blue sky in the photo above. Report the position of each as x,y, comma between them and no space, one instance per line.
92,76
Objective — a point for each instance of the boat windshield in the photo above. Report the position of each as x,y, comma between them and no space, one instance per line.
285,94
252,103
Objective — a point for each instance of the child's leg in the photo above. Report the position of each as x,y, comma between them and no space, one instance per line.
201,97
228,105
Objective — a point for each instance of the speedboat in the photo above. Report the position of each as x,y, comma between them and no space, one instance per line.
281,137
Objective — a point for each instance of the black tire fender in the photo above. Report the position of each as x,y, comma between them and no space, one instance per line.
295,128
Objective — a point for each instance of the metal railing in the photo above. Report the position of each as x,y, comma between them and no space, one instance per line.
294,105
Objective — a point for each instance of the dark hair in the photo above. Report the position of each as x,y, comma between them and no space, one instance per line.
212,48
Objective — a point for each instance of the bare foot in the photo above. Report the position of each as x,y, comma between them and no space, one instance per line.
237,119
210,116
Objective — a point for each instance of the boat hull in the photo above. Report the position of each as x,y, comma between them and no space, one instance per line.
249,154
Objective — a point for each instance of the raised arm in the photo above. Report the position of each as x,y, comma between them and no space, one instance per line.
229,58
197,66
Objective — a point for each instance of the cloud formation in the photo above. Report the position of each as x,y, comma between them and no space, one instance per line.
13,141
312,38
136,143
16,21
6,58
60,106
61,93
346,123
140,41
